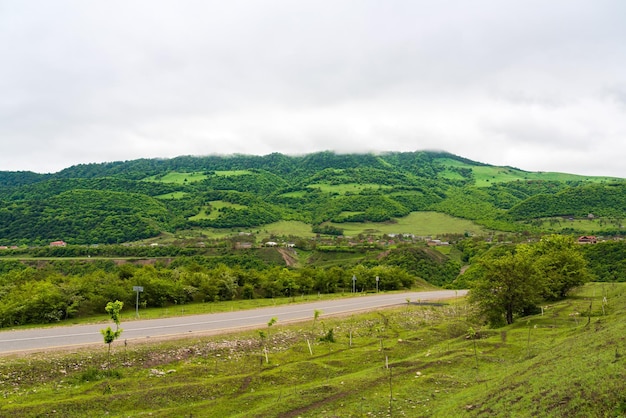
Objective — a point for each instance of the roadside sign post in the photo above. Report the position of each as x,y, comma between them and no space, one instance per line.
353,284
137,289
377,280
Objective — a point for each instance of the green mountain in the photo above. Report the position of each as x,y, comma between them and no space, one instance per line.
127,201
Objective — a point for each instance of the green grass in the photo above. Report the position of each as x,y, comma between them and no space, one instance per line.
286,228
178,177
417,223
232,172
487,175
216,205
415,361
187,177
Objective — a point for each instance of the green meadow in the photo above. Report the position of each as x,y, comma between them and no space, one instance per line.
228,173
417,223
178,177
285,228
212,212
191,177
416,360
485,175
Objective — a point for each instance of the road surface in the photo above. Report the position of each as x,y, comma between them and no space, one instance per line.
12,341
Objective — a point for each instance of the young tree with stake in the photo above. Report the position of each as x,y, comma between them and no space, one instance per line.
113,309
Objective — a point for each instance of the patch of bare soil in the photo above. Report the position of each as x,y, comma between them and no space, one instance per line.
289,256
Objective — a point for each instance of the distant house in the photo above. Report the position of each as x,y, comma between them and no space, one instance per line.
271,244
587,239
58,244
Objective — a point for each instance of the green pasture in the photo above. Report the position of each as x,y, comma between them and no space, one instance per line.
417,223
228,173
285,228
416,360
178,177
212,211
191,177
484,176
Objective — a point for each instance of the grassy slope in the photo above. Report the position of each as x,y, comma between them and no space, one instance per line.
417,223
487,175
557,365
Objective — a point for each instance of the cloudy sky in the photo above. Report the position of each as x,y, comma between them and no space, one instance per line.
539,85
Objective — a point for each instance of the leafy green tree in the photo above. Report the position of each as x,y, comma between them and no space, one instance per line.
561,265
509,286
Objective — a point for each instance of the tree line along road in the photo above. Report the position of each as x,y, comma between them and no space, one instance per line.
41,339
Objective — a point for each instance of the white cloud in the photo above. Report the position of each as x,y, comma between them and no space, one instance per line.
532,84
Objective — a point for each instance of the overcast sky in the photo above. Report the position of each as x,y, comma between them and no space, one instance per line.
539,85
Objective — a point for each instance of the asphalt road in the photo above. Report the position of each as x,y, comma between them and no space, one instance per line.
42,339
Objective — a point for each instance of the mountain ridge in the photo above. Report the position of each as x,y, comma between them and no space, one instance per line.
83,203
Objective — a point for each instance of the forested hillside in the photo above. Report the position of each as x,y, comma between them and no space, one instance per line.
127,201
199,229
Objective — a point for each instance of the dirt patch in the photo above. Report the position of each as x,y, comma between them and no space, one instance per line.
289,256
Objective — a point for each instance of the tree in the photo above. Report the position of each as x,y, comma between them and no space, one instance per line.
113,309
561,265
509,286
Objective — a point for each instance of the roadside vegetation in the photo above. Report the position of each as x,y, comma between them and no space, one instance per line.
50,285
434,360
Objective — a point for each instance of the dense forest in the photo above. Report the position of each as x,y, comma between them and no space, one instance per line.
127,201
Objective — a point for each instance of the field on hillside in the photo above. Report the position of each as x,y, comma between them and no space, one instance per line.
212,212
285,228
417,360
417,223
486,175
432,224
190,177
178,177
